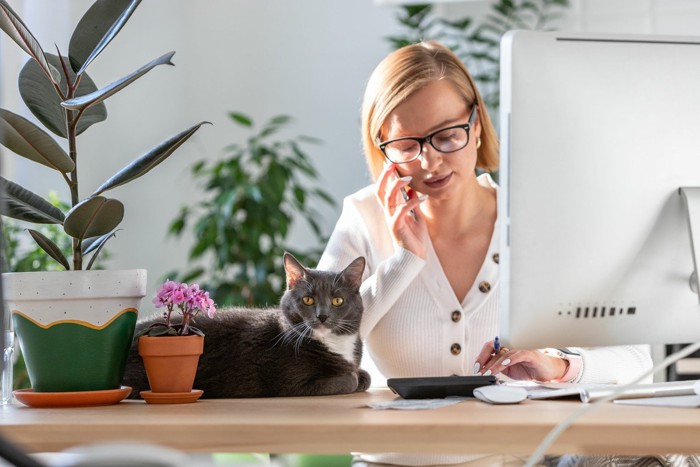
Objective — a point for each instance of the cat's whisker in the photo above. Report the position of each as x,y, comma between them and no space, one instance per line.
346,326
297,330
281,337
288,334
294,336
301,338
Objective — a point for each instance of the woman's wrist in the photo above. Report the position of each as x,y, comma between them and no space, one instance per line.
571,364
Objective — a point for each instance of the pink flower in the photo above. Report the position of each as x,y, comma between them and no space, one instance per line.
189,300
164,294
177,297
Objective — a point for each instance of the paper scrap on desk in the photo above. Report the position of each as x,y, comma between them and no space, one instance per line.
417,404
667,401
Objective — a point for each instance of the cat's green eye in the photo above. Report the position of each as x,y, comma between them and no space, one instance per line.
308,300
337,301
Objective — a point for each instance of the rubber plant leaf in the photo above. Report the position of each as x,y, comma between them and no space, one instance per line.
50,248
93,217
20,203
88,100
99,243
90,244
24,138
43,101
98,26
18,32
149,160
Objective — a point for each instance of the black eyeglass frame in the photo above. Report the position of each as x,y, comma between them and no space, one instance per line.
428,139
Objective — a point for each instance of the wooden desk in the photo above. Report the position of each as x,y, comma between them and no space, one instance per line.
341,424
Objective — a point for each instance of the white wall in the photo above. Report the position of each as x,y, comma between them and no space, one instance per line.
672,17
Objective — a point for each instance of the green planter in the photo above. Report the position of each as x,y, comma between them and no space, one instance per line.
75,327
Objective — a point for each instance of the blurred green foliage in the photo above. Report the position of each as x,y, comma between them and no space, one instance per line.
477,43
252,198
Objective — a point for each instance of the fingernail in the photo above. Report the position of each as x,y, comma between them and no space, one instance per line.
487,373
422,197
407,178
477,367
506,362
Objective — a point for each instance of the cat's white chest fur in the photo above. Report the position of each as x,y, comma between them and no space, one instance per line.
343,345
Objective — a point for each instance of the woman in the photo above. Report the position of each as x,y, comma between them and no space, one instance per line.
428,229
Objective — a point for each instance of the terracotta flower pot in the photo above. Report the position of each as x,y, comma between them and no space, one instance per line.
171,361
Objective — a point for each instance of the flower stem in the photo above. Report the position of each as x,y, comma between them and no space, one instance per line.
185,324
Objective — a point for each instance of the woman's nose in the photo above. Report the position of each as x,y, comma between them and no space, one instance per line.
429,156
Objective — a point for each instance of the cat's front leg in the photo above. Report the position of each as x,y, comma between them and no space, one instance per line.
364,380
342,384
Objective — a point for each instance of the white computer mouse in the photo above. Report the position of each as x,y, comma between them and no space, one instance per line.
500,394
696,387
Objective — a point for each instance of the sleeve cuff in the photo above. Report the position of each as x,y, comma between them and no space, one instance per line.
575,364
572,372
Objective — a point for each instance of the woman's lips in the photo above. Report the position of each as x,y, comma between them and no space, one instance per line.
438,182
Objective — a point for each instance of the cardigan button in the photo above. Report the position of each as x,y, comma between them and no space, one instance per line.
455,349
456,316
496,258
484,286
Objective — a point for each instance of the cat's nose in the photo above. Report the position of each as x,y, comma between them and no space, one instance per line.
322,318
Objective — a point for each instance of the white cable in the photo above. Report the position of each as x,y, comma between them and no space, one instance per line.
557,430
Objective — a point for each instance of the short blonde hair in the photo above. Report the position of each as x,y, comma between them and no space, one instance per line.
407,70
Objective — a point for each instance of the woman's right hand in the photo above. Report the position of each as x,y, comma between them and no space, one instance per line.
407,232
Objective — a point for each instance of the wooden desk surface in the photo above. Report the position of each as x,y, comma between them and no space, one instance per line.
341,424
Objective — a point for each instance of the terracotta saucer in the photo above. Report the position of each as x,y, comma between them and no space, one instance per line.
171,397
71,398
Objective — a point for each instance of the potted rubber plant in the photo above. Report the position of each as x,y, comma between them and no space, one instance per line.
75,326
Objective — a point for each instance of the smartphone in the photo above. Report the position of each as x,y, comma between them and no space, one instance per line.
438,387
405,197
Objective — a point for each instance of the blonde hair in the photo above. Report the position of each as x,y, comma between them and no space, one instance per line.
407,70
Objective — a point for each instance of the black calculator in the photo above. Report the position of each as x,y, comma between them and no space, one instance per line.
438,387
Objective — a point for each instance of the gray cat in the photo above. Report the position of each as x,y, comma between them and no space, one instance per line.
310,346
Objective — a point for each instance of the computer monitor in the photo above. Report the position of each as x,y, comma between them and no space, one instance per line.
598,133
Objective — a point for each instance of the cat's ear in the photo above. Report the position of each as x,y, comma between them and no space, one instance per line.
352,274
294,269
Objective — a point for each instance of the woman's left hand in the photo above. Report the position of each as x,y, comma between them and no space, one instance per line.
520,364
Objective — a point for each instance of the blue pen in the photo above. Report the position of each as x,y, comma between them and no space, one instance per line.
496,345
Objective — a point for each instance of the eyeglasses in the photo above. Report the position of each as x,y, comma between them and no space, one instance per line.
445,140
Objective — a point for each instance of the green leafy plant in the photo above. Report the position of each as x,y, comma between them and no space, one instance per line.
253,195
477,44
61,95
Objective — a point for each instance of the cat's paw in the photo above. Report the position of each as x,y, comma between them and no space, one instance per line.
363,380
